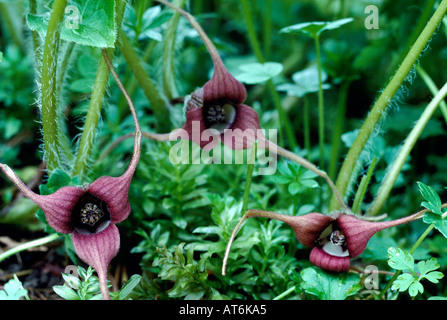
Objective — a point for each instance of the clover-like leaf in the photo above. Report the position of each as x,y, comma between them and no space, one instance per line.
13,290
253,73
315,28
403,282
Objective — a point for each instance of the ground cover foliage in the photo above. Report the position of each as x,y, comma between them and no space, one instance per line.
342,82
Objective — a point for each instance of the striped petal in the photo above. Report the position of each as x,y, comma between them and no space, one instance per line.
97,250
323,260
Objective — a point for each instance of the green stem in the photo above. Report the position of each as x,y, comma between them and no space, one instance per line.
258,53
267,28
35,34
86,144
284,294
169,82
433,89
13,31
361,191
306,126
250,167
338,129
405,150
29,245
49,113
158,103
320,104
382,102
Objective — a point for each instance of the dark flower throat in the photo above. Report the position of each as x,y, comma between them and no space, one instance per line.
90,215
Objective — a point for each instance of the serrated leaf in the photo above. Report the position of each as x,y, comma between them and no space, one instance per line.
86,22
433,201
434,276
439,223
403,282
327,286
415,288
400,259
427,266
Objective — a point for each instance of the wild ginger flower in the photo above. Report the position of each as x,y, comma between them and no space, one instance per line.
217,109
334,240
90,213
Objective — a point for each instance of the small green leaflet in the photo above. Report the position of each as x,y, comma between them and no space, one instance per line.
404,261
315,28
86,22
253,73
304,82
13,290
433,203
327,286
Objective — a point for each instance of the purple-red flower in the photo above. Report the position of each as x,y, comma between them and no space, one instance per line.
334,240
89,213
216,111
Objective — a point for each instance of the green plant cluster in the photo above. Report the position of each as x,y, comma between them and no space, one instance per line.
312,70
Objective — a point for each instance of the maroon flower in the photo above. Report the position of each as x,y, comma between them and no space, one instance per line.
90,213
216,111
334,240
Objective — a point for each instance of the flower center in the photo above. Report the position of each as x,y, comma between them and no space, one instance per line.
333,241
90,215
219,117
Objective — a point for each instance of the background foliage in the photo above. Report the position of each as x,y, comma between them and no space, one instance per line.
183,214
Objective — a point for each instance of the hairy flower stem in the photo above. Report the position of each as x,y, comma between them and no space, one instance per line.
159,105
92,119
404,151
94,110
310,166
250,167
382,102
169,82
50,127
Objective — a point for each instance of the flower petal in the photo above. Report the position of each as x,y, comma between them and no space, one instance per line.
114,191
57,207
358,232
97,250
196,130
328,262
244,130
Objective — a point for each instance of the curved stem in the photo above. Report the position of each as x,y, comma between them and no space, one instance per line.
396,167
285,293
433,89
28,245
382,102
250,214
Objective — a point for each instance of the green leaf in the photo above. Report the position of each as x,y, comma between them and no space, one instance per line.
439,223
90,23
129,286
415,288
305,81
400,259
327,286
433,201
66,293
427,266
13,290
253,73
315,28
403,282
434,276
